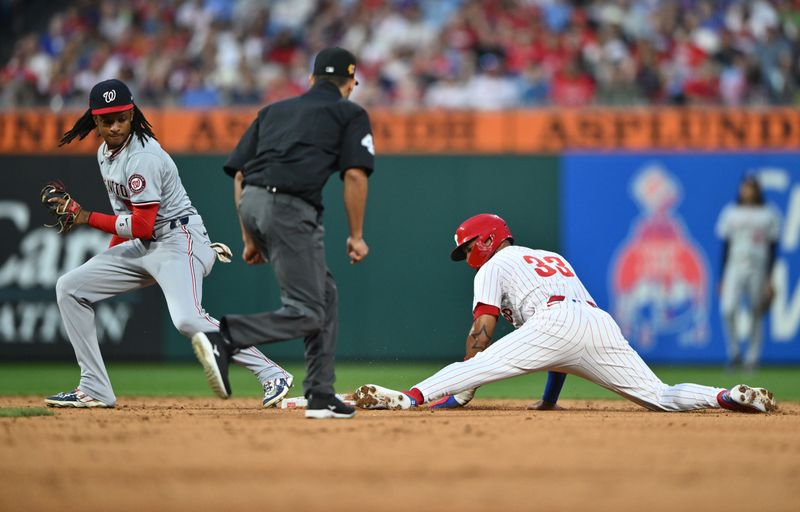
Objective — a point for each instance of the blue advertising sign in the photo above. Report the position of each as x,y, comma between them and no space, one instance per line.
640,231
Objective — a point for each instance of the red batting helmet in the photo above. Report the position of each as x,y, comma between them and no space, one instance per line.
489,232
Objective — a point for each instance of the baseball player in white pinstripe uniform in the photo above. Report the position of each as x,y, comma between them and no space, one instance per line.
157,238
558,328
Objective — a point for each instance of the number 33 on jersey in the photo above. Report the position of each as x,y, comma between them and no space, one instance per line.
519,280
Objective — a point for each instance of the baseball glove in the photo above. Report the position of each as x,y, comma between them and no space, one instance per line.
56,199
765,301
224,253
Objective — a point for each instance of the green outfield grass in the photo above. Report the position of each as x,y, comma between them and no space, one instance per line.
21,412
186,379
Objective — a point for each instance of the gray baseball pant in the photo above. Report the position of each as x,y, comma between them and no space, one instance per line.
289,233
177,262
743,281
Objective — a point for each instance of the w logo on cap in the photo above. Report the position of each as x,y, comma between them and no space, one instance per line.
110,96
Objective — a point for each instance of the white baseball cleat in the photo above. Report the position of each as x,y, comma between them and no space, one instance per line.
371,396
211,351
757,399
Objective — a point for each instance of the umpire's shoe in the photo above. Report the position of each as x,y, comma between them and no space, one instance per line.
215,356
328,406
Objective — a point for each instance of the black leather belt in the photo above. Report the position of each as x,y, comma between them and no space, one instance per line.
174,223
269,188
272,189
169,225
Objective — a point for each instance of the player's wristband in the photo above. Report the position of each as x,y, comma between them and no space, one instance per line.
119,225
555,381
139,224
103,222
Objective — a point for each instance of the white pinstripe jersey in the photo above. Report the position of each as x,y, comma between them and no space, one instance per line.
519,281
139,174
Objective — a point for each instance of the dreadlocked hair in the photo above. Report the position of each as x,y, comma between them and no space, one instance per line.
83,127
140,127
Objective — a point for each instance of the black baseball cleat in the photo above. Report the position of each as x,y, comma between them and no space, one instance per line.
328,406
215,356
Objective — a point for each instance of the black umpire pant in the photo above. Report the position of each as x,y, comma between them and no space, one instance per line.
288,231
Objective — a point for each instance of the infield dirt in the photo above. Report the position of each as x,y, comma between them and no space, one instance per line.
153,454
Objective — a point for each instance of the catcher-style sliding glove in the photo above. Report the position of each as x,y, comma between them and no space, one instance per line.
454,401
65,209
224,253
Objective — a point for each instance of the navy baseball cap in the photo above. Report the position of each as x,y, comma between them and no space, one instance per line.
110,96
335,61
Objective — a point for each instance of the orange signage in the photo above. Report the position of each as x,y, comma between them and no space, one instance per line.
427,132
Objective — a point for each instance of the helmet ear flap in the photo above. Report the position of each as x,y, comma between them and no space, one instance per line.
481,251
486,245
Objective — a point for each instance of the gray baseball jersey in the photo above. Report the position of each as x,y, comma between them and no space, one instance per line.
143,173
749,230
177,260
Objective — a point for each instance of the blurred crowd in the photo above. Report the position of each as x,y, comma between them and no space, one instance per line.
480,54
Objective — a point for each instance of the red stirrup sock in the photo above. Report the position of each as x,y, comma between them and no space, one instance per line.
415,395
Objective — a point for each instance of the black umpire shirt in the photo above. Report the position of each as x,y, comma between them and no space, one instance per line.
295,145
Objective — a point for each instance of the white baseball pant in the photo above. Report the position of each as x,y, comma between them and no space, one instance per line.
575,338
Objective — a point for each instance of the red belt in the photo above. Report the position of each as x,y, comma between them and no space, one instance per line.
560,298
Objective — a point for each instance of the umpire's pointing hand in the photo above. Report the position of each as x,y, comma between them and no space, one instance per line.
357,249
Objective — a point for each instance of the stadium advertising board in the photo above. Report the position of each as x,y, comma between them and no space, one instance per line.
33,257
435,132
640,231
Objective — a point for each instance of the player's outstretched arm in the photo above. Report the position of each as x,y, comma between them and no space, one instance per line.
478,340
138,224
480,335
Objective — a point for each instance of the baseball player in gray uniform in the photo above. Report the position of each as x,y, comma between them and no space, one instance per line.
749,230
558,328
157,237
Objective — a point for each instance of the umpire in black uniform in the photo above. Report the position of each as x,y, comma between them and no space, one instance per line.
279,168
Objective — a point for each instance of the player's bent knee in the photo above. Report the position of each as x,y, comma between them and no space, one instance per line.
65,287
190,326
314,321
312,318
